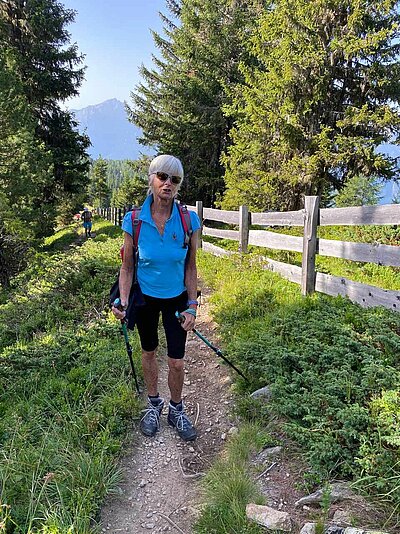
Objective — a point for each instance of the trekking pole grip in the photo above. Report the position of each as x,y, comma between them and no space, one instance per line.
118,304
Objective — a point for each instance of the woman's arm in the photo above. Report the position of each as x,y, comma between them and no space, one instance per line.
191,281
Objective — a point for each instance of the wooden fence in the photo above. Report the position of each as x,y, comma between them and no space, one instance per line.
309,245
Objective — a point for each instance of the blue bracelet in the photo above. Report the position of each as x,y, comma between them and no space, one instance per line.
189,302
190,312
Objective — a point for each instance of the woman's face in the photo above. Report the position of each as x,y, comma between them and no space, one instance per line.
164,189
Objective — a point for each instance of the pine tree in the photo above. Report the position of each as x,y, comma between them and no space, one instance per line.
37,51
25,164
319,100
132,188
131,192
99,192
179,106
359,191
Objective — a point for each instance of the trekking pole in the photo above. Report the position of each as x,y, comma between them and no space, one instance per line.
124,328
212,347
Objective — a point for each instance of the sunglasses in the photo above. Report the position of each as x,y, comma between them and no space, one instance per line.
163,176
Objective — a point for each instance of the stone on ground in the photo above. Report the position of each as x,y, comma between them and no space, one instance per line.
269,517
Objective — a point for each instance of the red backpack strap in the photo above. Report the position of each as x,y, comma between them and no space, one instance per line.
136,225
186,223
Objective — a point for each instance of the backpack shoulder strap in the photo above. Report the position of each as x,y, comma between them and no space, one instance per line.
136,225
186,223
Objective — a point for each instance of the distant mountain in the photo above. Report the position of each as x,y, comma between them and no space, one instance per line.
111,134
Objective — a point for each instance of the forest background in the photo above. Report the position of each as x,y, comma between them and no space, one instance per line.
263,102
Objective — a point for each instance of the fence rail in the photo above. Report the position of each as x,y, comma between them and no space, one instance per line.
309,245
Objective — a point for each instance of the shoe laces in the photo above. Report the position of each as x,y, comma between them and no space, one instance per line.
152,414
182,420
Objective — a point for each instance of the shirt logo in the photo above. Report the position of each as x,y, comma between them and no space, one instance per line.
174,236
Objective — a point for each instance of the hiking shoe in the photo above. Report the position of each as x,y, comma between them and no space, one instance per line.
179,420
150,422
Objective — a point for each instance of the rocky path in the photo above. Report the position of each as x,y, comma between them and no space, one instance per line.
159,491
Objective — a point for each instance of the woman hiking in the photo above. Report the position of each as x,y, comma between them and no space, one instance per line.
167,275
86,217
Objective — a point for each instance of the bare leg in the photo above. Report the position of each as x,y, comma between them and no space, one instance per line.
150,371
175,378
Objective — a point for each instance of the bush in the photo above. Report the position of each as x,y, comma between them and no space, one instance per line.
328,362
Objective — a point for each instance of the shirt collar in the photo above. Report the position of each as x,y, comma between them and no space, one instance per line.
145,212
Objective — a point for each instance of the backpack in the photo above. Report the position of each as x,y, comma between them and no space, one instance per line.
87,215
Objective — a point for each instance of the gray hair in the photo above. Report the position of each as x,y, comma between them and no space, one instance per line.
165,163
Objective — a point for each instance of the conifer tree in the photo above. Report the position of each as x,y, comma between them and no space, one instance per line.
179,105
131,192
359,191
323,94
25,164
99,192
132,188
47,68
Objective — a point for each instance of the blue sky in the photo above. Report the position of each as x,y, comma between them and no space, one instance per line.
115,37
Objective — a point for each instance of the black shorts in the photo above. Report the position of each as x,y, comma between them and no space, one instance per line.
147,324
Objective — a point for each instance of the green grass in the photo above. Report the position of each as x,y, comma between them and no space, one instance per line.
228,487
333,369
66,399
62,239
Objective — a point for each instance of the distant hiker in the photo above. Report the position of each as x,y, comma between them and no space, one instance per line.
87,221
167,275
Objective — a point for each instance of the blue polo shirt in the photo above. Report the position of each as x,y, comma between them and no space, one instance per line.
161,265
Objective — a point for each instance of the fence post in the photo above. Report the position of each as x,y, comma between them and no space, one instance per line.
243,229
115,216
311,221
119,217
199,209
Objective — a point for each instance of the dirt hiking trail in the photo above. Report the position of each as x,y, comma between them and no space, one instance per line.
159,490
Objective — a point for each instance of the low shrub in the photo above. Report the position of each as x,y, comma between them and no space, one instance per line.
330,365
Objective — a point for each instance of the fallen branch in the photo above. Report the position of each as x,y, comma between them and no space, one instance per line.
171,522
266,471
197,415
